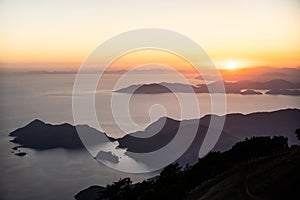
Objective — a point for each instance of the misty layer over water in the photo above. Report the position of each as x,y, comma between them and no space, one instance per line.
48,97
60,174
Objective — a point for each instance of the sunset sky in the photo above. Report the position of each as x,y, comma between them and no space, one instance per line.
59,35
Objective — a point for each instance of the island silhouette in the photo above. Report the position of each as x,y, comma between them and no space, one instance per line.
42,136
246,87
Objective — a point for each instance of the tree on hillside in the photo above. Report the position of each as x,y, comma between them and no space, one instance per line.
121,189
297,132
258,146
170,170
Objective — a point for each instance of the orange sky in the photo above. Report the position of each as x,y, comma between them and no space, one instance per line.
59,35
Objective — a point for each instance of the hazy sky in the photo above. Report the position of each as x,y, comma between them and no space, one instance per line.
253,32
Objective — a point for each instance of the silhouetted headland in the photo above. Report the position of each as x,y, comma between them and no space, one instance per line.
42,136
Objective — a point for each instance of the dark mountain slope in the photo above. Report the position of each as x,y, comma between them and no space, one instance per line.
236,128
257,168
281,122
272,177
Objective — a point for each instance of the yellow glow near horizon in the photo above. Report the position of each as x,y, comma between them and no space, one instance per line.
231,65
142,57
235,64
67,31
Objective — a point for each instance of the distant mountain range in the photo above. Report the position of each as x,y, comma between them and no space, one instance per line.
261,74
253,73
282,87
41,136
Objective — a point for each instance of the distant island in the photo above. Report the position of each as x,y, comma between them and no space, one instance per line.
250,92
239,87
284,92
21,154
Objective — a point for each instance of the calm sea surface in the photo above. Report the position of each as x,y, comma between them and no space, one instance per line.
60,174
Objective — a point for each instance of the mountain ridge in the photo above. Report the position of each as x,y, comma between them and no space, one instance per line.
42,136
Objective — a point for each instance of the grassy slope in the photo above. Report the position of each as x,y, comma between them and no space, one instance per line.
272,177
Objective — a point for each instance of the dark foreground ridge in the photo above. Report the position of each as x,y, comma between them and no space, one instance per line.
91,192
257,168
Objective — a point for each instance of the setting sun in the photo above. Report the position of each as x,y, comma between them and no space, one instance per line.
231,65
